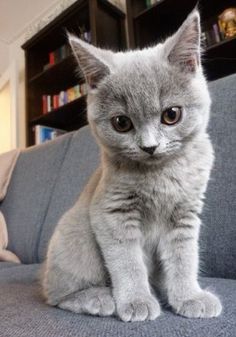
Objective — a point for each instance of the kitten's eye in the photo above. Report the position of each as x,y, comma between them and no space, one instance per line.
171,116
122,123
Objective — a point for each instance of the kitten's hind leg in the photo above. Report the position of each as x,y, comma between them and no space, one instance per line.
93,301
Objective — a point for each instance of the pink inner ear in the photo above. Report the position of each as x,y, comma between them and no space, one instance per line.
192,63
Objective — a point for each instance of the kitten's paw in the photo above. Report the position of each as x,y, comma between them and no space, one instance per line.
139,309
101,305
94,301
203,305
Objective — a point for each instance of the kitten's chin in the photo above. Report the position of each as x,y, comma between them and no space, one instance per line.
157,159
149,160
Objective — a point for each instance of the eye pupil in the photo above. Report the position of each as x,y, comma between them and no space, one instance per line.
122,123
171,116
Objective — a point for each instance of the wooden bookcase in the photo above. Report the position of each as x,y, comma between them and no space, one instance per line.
106,24
147,26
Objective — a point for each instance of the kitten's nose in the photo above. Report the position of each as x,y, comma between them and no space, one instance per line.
150,149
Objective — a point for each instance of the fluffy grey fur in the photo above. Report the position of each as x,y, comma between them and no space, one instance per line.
136,224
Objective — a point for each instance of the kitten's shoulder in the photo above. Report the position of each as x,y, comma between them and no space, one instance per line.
202,150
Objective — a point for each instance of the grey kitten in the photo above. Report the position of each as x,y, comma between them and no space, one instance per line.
136,226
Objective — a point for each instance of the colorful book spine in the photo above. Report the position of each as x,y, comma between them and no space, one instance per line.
216,32
77,91
83,89
55,101
45,133
51,58
45,104
52,102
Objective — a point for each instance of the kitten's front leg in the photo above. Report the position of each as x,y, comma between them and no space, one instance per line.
179,254
119,240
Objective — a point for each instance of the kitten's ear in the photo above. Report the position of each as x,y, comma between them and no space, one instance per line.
92,61
183,48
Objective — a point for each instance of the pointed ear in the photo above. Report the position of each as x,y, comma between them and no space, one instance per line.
90,60
183,48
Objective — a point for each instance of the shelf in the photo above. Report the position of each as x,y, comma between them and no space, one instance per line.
148,9
106,24
68,117
219,59
221,43
54,76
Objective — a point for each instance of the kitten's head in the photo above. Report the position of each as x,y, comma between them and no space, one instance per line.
145,105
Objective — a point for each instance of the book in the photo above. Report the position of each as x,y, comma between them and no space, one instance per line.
55,101
210,37
45,104
45,133
49,103
77,91
216,32
83,89
70,94
57,55
87,37
61,98
51,58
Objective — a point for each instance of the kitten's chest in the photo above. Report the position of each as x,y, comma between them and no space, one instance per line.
158,194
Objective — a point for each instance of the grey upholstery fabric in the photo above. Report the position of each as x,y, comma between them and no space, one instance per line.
24,314
29,194
80,161
218,239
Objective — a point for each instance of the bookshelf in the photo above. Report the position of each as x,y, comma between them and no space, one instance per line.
148,25
105,24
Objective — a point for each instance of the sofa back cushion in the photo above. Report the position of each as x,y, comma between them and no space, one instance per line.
80,162
218,233
29,195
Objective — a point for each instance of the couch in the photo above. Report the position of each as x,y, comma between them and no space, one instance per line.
46,182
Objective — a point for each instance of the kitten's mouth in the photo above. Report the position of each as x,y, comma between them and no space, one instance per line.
154,158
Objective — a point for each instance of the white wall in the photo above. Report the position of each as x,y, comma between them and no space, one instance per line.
16,57
4,61
5,119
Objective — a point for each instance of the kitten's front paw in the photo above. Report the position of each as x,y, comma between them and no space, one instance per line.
203,305
139,309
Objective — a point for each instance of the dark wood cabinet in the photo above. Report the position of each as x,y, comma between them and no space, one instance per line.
105,22
147,26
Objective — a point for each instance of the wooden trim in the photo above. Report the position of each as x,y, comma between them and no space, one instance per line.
93,11
130,25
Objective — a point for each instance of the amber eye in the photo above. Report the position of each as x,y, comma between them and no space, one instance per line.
122,123
171,116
